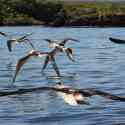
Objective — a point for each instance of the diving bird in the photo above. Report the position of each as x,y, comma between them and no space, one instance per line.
13,41
33,53
61,46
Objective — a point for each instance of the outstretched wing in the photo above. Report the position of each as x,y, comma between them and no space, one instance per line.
92,92
48,40
9,44
108,95
69,54
24,37
20,63
45,63
66,40
55,66
30,43
3,34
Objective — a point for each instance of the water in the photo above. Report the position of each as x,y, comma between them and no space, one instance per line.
99,64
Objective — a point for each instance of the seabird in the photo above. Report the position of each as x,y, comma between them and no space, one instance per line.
75,97
49,58
61,46
71,96
13,41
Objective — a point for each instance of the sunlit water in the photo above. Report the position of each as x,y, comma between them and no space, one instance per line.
99,64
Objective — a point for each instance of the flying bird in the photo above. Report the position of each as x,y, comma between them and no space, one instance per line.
60,46
75,97
71,96
32,53
13,41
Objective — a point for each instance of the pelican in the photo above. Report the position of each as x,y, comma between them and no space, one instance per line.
33,53
61,46
13,41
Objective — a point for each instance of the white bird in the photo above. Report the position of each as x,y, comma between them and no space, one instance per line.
49,58
14,41
60,46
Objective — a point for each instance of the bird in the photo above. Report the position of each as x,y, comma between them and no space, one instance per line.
33,53
61,46
71,96
51,57
116,40
75,97
13,41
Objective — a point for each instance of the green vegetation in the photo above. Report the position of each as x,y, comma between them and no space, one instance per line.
56,13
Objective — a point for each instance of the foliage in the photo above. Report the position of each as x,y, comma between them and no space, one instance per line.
56,12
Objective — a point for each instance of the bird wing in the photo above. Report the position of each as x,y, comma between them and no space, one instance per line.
45,63
68,52
66,40
48,40
3,34
24,37
30,43
55,66
9,44
92,92
20,63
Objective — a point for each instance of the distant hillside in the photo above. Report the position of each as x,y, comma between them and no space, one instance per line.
93,0
57,13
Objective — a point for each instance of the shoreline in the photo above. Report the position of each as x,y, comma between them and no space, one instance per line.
71,26
61,14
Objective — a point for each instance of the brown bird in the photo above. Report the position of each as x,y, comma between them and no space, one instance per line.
75,97
32,53
13,41
61,46
71,96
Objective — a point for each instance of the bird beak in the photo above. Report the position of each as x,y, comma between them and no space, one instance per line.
47,40
76,40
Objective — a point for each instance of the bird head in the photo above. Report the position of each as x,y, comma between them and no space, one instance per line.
31,51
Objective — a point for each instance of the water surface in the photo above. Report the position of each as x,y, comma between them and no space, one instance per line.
99,64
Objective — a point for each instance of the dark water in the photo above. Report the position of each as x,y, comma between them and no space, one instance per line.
99,64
